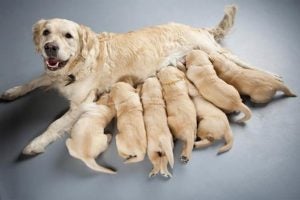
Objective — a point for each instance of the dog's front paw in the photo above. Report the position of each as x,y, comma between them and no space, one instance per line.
33,148
11,94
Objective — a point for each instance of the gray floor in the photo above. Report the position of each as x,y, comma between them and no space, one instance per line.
264,162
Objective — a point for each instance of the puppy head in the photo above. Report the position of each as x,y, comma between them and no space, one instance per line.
61,43
170,74
152,88
121,91
197,58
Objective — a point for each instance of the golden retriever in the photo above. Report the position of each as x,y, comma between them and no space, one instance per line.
201,72
180,108
213,123
131,139
87,135
259,85
159,137
77,60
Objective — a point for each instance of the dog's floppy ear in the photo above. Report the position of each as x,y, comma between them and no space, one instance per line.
87,40
36,32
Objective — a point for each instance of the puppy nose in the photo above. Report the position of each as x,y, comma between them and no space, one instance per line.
51,49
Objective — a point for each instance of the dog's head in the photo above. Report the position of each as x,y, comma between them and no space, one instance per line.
63,44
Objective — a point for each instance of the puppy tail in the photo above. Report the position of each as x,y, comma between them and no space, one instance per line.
167,147
247,113
91,163
286,91
225,24
229,142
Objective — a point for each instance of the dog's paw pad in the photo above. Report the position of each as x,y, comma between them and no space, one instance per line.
32,150
166,175
152,174
184,159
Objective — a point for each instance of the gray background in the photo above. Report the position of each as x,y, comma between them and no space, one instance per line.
264,162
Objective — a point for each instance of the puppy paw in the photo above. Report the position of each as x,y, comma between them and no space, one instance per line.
166,174
11,94
184,159
153,173
33,148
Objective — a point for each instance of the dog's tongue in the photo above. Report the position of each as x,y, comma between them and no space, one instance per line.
52,61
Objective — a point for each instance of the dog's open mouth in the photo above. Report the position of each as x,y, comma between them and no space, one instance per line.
54,64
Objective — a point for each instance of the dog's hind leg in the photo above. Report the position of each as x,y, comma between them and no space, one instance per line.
187,147
164,167
155,160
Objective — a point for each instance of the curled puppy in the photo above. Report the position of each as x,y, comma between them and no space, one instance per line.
180,108
131,140
201,72
260,86
213,123
87,135
159,137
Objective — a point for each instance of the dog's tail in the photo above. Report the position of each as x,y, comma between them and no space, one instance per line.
225,24
247,113
90,162
167,148
229,141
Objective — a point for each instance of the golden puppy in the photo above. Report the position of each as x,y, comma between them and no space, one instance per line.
159,137
201,72
259,85
87,135
131,139
180,108
213,123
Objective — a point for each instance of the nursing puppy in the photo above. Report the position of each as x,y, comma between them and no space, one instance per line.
180,109
259,85
213,123
87,135
201,72
131,140
159,137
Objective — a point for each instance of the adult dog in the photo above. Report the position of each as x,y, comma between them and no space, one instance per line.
77,60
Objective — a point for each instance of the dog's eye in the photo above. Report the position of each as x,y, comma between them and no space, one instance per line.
68,35
46,32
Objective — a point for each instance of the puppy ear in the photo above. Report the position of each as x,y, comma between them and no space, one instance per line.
87,40
36,33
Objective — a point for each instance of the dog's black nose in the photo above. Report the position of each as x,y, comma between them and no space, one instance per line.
51,49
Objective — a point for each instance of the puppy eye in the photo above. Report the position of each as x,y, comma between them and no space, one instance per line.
46,32
68,35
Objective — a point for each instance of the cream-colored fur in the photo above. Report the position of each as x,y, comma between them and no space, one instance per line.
180,108
100,60
159,137
213,123
201,72
259,85
131,140
87,135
